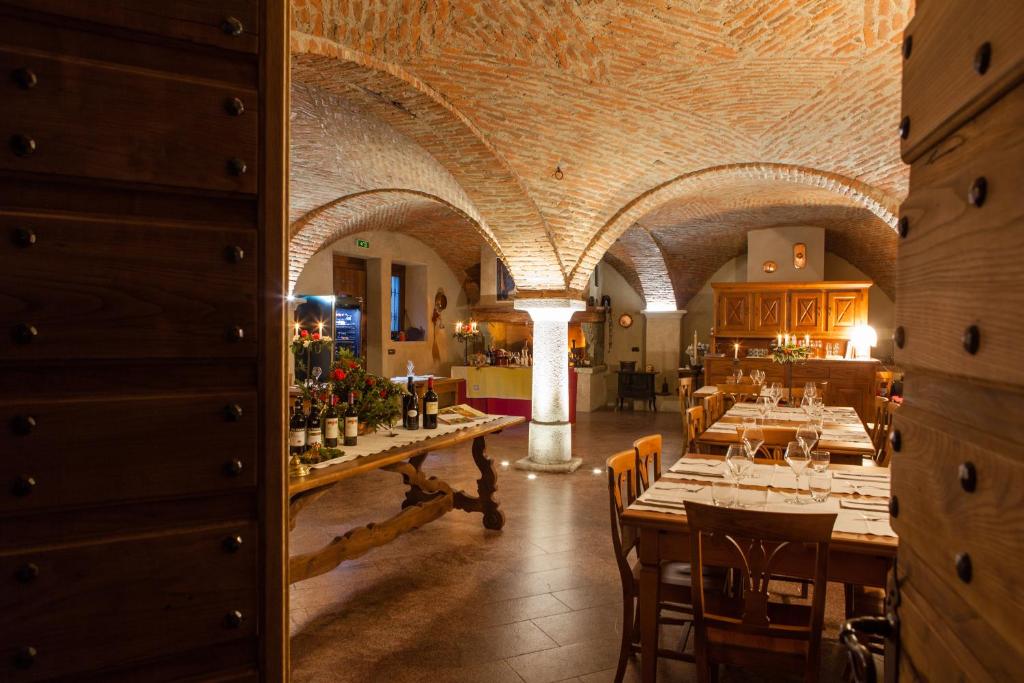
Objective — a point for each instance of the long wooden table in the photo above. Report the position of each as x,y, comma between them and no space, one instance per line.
427,499
859,559
858,445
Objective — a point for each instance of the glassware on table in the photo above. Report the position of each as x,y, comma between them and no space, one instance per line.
820,485
797,459
810,389
807,435
753,438
738,376
738,461
820,460
807,405
764,407
723,492
776,393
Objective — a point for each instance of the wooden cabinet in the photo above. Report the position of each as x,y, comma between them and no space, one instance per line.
806,312
762,310
769,312
142,397
733,313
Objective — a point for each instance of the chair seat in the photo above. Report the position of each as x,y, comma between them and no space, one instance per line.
678,574
866,601
779,614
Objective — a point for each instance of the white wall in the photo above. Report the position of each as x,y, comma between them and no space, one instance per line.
776,244
385,248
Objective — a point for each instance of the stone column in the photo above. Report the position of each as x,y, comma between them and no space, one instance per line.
663,345
550,447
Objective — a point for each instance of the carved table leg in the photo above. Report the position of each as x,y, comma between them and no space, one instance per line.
415,495
486,487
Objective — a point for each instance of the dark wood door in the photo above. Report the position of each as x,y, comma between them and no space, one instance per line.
141,360
350,281
958,468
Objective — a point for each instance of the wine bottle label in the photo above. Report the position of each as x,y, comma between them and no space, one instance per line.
430,408
413,413
315,436
351,426
331,428
297,437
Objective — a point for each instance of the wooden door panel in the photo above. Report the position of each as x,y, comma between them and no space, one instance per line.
844,311
941,89
769,312
123,129
105,466
733,313
805,312
94,605
198,21
103,289
961,265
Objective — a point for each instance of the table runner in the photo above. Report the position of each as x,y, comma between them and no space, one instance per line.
379,441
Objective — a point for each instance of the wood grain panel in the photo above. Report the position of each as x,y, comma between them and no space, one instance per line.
961,265
941,89
985,523
197,441
198,21
98,289
122,127
94,605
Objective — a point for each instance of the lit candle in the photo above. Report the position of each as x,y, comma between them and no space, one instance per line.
296,329
473,327
458,326
786,340
807,340
778,339
736,351
320,327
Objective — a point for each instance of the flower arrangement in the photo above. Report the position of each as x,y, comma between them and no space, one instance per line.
375,397
303,344
467,331
789,352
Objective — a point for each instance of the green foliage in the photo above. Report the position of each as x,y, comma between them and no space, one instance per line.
376,398
789,353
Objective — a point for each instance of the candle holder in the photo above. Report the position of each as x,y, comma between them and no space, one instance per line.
466,332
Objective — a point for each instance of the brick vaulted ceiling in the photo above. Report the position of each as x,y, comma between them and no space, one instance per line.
556,126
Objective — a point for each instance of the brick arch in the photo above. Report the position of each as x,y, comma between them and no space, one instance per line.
452,233
719,178
640,261
509,218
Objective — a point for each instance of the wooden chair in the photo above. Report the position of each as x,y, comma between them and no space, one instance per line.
648,458
714,407
685,393
883,455
775,440
877,428
623,479
748,629
883,382
695,424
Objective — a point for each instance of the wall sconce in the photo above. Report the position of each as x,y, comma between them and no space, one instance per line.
769,266
799,255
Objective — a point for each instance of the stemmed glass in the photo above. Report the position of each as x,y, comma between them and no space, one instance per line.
810,390
753,437
776,393
764,407
807,405
739,461
797,458
807,436
738,375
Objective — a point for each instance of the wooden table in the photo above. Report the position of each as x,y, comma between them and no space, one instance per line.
427,498
858,559
855,447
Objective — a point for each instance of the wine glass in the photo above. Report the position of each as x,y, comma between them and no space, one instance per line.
738,461
776,393
810,390
807,436
797,458
807,405
753,437
820,460
723,492
764,407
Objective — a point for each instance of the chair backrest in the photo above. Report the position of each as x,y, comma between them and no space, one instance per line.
881,416
622,491
883,382
685,393
884,454
648,461
714,406
695,426
760,544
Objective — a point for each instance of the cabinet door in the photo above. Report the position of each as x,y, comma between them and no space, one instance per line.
805,312
844,311
733,313
769,312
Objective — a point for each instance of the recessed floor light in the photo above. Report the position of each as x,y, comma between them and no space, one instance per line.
531,475
504,463
597,470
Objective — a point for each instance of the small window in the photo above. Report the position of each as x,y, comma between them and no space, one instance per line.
397,298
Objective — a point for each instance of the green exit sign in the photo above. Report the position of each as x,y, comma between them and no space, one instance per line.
363,244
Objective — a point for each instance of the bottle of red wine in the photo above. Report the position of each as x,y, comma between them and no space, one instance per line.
351,421
297,430
314,432
430,406
410,407
331,424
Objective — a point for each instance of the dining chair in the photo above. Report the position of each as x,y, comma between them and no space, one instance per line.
883,382
876,429
685,393
648,458
696,423
674,589
748,629
713,407
883,456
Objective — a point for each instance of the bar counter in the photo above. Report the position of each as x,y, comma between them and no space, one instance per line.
503,390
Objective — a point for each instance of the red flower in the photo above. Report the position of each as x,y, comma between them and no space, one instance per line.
339,374
352,365
384,393
304,333
316,336
369,381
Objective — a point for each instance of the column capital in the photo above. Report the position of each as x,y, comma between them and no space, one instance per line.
550,309
664,315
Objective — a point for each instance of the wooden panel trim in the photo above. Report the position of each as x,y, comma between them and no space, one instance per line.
275,20
826,285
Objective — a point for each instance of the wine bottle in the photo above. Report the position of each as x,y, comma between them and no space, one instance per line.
331,424
410,407
314,433
297,430
430,406
351,421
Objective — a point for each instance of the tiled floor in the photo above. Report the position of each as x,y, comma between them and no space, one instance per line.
538,601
